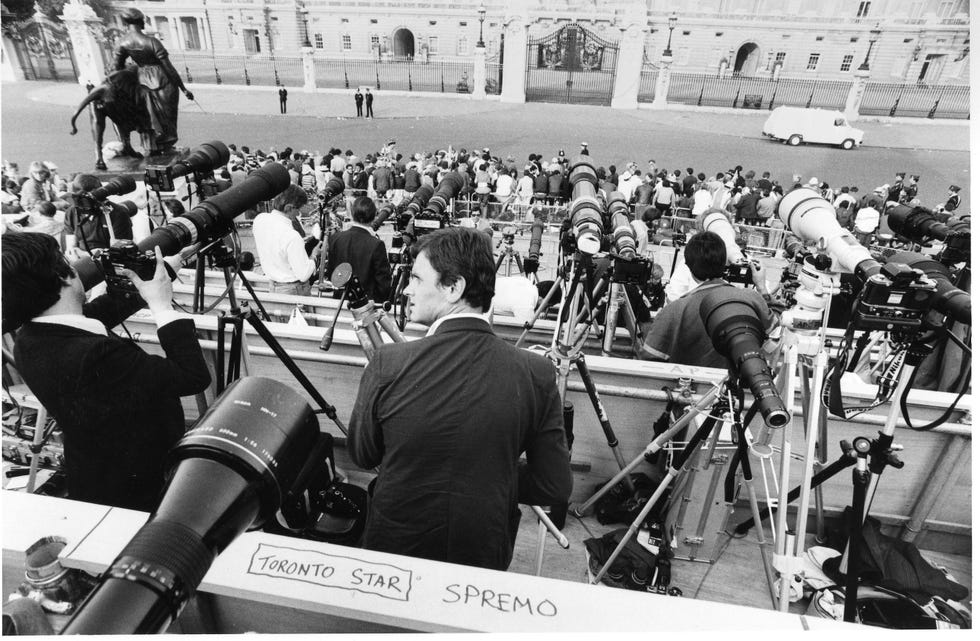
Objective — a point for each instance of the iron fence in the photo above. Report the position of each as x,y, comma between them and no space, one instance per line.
495,78
648,85
239,70
756,93
396,75
915,100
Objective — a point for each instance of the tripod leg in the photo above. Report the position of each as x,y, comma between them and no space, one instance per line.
539,311
389,327
861,477
813,418
612,318
783,535
500,260
680,463
600,411
656,445
255,297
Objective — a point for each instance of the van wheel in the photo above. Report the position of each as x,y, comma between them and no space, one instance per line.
794,140
847,144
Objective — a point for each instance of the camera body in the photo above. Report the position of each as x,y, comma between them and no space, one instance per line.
159,177
508,233
739,273
896,298
633,271
427,221
125,255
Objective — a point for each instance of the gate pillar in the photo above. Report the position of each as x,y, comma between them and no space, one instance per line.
11,71
663,83
630,62
83,25
516,24
309,69
856,93
480,73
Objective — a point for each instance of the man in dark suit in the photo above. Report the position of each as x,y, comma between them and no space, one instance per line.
369,103
359,101
366,253
283,94
447,417
117,406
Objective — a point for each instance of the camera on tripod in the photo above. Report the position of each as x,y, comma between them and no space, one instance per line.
434,216
921,226
508,234
739,273
896,298
201,162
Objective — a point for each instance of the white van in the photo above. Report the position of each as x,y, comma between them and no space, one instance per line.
799,124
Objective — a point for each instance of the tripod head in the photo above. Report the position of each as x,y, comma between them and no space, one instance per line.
367,316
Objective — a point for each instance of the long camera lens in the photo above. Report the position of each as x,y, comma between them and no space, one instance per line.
585,212
715,221
206,158
623,234
813,219
916,224
737,333
445,193
949,300
333,188
229,473
115,187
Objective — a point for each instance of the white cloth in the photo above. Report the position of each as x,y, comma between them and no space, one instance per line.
280,248
866,220
680,283
505,185
702,202
628,186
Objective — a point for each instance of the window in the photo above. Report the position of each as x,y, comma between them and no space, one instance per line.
433,44
945,9
432,23
819,38
811,64
318,40
345,42
375,42
863,9
374,21
462,24
915,11
462,46
846,63
855,38
192,38
685,33
781,58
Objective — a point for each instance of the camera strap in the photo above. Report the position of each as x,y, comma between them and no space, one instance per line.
887,382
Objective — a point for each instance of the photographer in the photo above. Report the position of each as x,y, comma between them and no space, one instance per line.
118,407
677,334
447,417
280,247
86,224
366,253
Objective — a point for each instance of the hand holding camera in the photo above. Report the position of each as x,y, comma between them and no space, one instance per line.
157,291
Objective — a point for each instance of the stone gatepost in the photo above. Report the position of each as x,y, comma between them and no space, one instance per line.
85,29
663,82
856,93
516,24
10,71
309,69
630,61
480,73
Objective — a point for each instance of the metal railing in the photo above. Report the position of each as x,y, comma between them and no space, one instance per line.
394,75
915,100
755,93
239,70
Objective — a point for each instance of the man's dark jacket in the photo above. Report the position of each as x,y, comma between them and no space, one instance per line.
446,419
118,407
368,258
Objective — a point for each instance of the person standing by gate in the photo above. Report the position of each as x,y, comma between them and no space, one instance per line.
359,101
369,99
282,99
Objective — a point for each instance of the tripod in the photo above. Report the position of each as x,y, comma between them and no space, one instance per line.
566,349
513,257
222,256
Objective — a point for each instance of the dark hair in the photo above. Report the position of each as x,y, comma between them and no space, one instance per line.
292,195
456,252
363,210
34,271
85,182
133,16
706,256
46,209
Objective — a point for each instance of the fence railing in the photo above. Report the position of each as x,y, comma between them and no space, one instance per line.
756,93
395,75
915,100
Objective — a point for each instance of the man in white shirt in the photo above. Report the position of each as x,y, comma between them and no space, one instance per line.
280,248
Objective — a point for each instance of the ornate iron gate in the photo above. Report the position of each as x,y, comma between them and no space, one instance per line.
571,65
43,48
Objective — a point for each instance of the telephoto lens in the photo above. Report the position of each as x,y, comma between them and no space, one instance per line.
445,193
205,158
813,219
585,212
333,188
229,473
419,200
115,187
737,333
716,221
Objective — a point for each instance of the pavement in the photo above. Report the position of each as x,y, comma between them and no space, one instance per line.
35,119
333,104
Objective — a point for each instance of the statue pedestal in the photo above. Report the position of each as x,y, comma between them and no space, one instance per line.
135,168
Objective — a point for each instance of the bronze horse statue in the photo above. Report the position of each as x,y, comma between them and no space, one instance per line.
117,98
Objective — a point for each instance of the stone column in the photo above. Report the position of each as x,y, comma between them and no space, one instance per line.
309,69
630,61
516,25
856,93
663,83
83,25
480,73
10,70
